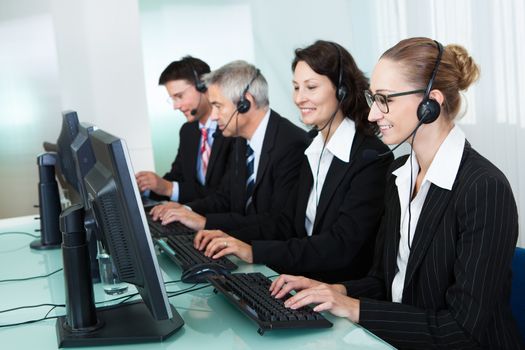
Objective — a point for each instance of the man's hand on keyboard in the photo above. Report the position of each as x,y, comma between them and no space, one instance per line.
160,210
147,180
221,246
185,216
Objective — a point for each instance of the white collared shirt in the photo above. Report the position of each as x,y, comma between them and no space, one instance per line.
340,146
257,140
442,173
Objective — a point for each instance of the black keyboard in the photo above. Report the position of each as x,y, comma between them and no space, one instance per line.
185,255
172,229
249,292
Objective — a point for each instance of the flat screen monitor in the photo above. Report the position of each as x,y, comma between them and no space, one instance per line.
83,161
66,166
116,206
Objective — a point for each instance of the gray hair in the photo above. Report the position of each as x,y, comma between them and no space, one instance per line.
234,77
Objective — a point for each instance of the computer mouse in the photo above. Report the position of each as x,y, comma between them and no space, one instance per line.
200,272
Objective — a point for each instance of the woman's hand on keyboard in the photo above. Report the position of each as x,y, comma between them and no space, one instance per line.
221,246
328,298
284,284
203,237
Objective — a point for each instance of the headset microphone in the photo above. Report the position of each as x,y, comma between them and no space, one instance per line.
312,133
229,120
371,154
196,109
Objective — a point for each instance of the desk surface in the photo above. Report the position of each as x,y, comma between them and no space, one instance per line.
210,320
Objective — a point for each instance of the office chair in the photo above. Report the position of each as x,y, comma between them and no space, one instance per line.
517,295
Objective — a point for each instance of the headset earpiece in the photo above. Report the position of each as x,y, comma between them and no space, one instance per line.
429,109
341,90
244,104
200,86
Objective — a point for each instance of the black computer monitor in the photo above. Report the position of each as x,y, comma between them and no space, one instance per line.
57,163
66,166
84,160
116,206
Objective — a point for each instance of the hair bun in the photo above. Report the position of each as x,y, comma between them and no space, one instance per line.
468,70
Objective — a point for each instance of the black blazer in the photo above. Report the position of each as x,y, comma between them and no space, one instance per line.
184,167
282,151
458,278
346,221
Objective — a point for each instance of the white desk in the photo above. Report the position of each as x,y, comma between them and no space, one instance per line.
211,322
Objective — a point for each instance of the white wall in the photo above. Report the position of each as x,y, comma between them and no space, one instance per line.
101,69
84,55
29,100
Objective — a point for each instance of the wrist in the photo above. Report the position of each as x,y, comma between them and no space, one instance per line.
168,188
354,310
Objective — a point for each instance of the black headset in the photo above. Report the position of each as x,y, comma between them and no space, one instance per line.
341,89
429,109
200,86
244,104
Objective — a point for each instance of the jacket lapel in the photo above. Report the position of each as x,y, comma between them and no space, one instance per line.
193,144
334,176
305,184
436,202
392,239
215,150
269,141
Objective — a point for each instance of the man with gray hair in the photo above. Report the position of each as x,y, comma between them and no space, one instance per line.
266,158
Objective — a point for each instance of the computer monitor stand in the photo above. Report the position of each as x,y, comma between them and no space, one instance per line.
85,325
49,204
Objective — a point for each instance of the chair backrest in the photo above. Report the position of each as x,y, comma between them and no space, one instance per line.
517,296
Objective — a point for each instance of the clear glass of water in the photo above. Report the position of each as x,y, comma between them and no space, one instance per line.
111,283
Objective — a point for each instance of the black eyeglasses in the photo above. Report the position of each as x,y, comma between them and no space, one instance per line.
381,100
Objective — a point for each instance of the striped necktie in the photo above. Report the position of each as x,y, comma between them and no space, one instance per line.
205,151
250,175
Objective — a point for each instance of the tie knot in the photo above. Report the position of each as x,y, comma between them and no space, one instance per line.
249,150
204,133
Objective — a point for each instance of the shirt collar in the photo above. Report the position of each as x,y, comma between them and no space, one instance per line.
445,165
211,125
340,144
257,140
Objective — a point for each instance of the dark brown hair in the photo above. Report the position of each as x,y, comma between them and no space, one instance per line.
323,58
456,72
183,70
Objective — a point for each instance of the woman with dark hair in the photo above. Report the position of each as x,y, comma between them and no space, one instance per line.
442,270
328,228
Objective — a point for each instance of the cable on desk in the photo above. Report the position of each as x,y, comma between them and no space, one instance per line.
19,233
31,307
46,317
30,278
187,290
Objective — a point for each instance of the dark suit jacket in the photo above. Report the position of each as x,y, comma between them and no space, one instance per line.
184,167
282,151
346,221
457,285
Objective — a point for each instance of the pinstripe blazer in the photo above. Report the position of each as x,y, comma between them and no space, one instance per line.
457,285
